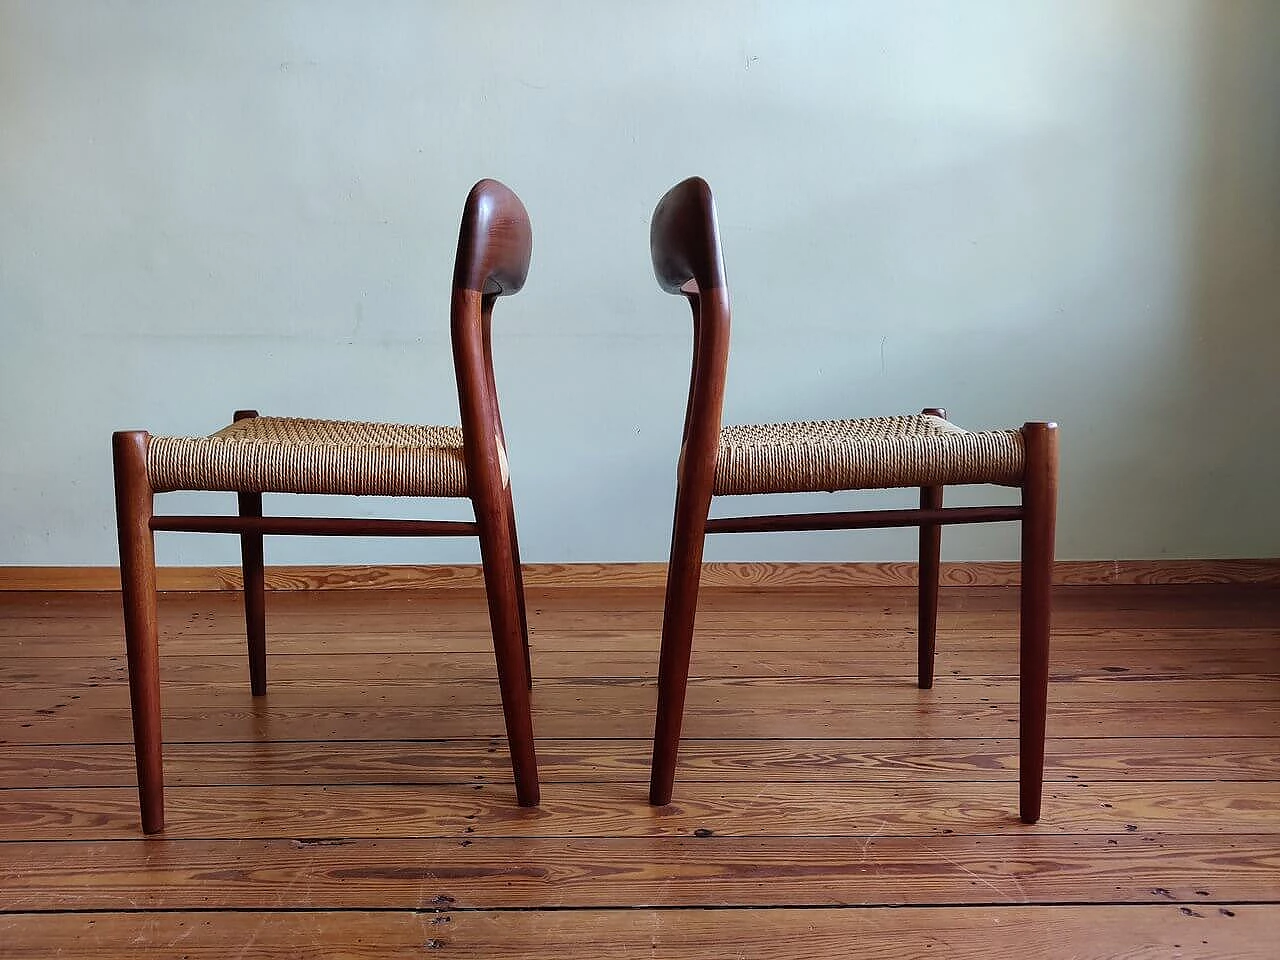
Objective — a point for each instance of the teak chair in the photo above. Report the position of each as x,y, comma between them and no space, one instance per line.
924,451
256,455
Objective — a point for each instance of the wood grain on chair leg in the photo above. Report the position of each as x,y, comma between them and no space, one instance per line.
685,247
493,259
491,390
502,590
684,572
930,566
1039,499
251,565
134,503
519,573
255,614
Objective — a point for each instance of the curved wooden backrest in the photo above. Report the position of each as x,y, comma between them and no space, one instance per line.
684,238
495,242
684,241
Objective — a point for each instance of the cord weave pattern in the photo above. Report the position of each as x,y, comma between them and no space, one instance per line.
869,454
294,455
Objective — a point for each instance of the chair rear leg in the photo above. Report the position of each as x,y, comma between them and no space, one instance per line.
255,592
930,567
134,504
1039,501
502,589
515,560
684,573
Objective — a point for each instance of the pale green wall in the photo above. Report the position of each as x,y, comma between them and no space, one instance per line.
1014,209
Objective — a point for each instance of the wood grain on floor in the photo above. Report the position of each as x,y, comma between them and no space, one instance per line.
824,806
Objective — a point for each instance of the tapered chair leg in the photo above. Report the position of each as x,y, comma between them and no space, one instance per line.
930,567
502,588
515,562
134,502
684,573
255,592
251,566
1039,502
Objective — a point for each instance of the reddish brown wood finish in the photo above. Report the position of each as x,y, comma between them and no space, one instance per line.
255,610
686,258
1039,500
498,241
930,569
685,245
134,502
494,245
315,526
861,519
509,504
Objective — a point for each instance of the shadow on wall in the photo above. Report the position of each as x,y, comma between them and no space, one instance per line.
1227,451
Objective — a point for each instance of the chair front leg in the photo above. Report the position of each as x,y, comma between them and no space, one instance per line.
684,574
502,587
1039,503
254,577
134,505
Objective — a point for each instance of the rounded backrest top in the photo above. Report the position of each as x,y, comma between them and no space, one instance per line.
495,241
684,238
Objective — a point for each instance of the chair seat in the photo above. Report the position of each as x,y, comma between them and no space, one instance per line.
292,455
870,454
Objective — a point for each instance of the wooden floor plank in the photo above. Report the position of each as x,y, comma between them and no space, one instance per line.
585,609
268,763
813,774
621,810
1013,867
1151,598
1159,932
343,622
1069,662
962,933
410,691
1125,646
564,718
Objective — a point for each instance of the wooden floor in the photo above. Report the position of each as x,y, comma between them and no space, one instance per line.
824,806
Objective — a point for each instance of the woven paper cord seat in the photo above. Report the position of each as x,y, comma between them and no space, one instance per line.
291,455
870,454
